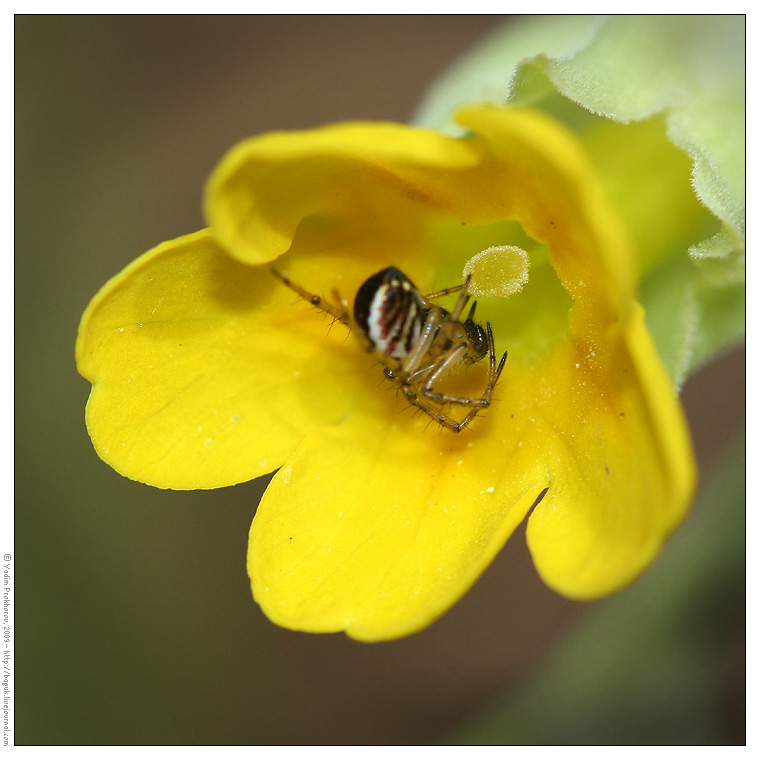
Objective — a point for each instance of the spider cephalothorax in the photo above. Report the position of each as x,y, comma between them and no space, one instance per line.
418,342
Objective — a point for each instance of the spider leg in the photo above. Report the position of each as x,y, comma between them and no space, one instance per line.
341,314
461,301
440,417
444,292
494,374
450,360
411,363
446,364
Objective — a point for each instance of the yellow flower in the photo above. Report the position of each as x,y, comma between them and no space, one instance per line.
207,372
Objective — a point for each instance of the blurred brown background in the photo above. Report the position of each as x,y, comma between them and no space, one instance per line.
134,618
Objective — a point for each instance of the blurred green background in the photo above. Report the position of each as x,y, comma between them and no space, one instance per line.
134,621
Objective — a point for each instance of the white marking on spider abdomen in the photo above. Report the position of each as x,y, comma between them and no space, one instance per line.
395,320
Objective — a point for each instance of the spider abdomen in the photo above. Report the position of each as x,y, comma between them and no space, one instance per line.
390,312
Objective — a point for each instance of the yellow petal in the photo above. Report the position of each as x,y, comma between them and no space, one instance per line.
328,187
378,525
621,473
203,373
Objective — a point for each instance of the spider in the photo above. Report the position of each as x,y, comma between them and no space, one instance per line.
418,342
